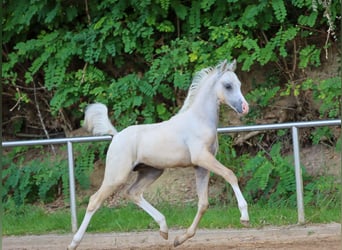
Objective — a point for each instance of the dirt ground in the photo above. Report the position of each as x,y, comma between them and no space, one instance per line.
326,236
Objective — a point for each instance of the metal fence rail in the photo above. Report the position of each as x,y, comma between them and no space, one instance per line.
293,126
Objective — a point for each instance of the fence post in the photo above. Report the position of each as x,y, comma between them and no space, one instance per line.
72,188
299,178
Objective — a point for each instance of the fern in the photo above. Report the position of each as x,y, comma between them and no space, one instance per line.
263,97
300,3
310,55
267,53
39,62
262,175
180,9
279,10
271,178
251,44
165,4
329,91
250,15
206,5
63,98
309,20
84,164
51,15
145,87
194,17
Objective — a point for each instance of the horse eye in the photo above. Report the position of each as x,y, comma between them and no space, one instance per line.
228,86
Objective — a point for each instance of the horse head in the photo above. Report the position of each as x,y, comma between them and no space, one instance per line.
228,87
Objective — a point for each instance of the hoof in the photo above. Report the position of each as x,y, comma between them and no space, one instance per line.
245,223
164,235
176,243
72,246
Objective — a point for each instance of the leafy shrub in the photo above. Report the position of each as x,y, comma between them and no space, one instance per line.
31,181
137,56
268,177
271,177
322,191
44,180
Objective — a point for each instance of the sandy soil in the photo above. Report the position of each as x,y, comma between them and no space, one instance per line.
326,236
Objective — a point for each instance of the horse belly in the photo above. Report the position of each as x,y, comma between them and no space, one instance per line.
165,153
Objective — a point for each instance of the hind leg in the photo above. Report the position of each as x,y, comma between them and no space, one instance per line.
95,202
146,176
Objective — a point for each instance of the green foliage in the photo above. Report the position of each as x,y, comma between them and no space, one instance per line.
268,178
29,181
271,178
279,10
309,20
33,180
85,55
310,55
324,191
263,96
85,155
138,57
328,92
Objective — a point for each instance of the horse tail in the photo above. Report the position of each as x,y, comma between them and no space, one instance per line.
96,120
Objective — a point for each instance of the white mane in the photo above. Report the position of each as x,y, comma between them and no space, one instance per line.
196,85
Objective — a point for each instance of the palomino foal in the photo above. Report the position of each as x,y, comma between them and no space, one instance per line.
187,139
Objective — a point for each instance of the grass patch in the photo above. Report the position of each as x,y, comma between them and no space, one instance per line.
35,220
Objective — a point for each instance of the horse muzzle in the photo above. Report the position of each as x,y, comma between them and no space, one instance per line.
245,108
241,107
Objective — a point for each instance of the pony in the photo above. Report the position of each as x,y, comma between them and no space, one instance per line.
187,139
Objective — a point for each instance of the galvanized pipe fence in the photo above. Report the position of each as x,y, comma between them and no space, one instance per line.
294,126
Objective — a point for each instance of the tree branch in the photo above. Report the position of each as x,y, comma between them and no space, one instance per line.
41,117
87,11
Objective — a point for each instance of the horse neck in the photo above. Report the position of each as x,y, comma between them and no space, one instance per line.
206,104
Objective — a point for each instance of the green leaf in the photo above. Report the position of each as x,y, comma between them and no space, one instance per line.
279,10
310,55
309,20
180,9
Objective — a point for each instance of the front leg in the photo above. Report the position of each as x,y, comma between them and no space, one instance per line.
202,180
207,160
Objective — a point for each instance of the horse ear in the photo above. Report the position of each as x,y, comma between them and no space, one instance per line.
223,66
232,66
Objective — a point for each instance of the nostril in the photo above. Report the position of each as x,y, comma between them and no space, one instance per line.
245,108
